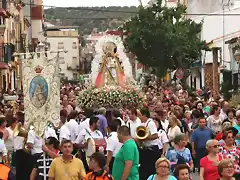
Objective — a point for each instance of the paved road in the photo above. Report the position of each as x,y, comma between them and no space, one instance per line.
195,176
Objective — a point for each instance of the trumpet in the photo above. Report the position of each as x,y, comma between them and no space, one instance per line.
20,131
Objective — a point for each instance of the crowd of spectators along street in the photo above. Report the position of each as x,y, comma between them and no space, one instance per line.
196,132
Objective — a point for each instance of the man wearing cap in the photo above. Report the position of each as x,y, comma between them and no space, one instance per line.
103,121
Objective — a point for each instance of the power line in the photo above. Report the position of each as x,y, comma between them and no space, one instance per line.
84,8
130,12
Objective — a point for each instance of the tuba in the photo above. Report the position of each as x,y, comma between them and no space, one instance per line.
141,132
20,131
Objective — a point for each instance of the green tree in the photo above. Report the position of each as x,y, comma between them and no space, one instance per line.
163,38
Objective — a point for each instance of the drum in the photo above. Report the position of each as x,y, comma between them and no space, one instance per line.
101,145
95,145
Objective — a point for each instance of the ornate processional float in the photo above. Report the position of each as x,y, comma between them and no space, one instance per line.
112,85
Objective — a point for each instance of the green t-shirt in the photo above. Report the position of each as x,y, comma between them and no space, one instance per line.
128,152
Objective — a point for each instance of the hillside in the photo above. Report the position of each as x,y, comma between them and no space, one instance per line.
88,18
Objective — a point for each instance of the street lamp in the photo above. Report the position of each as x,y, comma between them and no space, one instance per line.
237,55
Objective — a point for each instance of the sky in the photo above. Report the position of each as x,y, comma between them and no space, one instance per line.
75,3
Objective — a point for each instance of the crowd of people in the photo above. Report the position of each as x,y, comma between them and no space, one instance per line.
183,133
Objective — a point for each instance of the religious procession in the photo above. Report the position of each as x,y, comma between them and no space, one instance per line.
115,128
114,125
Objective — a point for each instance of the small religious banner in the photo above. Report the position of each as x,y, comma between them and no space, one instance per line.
41,88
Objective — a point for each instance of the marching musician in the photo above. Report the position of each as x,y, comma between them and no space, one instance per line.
64,133
91,132
133,122
12,122
34,144
23,159
73,125
150,151
113,144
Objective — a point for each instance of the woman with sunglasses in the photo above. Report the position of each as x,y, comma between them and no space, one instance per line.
231,151
209,163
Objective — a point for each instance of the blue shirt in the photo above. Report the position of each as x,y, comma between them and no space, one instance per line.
201,136
153,177
103,124
238,128
172,156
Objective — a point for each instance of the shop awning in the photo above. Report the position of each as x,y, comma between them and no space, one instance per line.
3,65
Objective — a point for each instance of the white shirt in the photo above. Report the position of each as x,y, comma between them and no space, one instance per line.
36,141
83,125
173,132
133,126
72,126
223,115
113,143
50,132
18,143
3,150
165,124
9,141
152,129
162,138
64,133
88,133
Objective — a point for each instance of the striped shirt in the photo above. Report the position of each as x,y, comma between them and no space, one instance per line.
43,167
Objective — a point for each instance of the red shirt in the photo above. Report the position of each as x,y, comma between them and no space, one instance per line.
219,136
210,171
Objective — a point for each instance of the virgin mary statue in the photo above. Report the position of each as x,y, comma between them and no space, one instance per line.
110,71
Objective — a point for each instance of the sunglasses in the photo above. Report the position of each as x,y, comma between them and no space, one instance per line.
216,146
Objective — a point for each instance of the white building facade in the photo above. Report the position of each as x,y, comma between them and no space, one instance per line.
220,24
67,40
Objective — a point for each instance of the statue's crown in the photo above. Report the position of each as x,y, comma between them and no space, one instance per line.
38,69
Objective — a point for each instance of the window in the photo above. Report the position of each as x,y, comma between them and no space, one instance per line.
60,45
75,76
74,45
74,60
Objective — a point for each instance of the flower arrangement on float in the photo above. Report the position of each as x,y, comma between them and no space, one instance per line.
110,97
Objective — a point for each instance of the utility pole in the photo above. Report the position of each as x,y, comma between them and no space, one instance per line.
140,2
215,70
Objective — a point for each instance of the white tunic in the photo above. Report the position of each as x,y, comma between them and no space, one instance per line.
152,129
36,141
133,126
64,133
88,133
9,141
113,143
